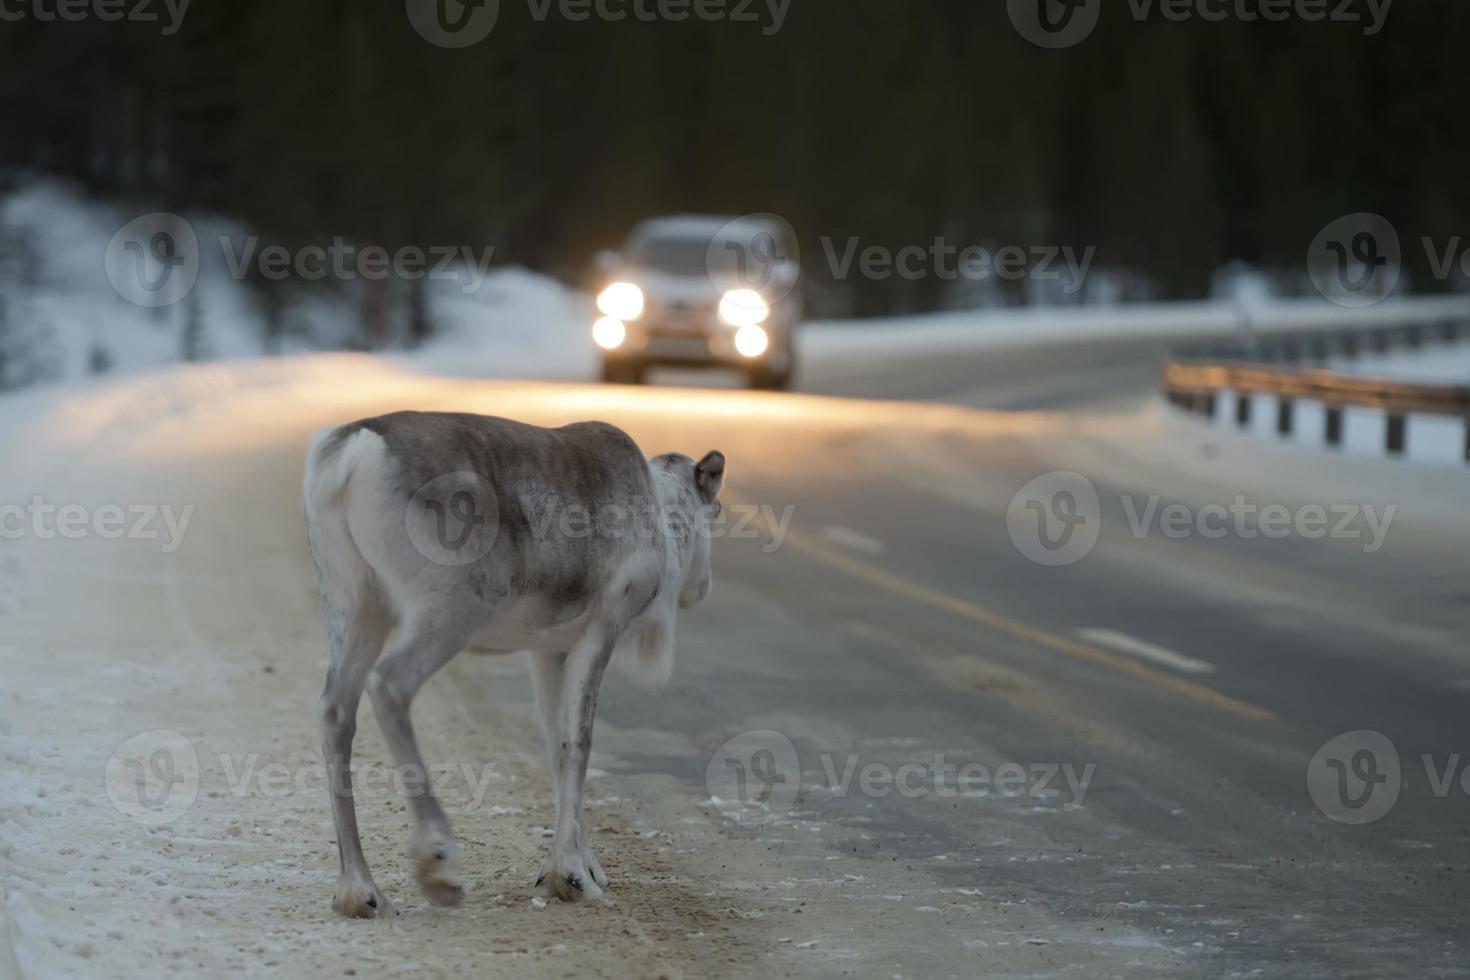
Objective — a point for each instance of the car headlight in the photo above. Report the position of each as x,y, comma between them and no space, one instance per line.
751,341
609,333
621,301
744,308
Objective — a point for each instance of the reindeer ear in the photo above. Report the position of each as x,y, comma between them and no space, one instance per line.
709,476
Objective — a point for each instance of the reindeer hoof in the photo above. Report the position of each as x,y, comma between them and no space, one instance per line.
437,871
570,884
360,901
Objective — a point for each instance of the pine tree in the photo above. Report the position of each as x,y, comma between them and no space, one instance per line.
193,342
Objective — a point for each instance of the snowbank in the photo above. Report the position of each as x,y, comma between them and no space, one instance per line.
937,333
519,324
75,324
56,284
1433,440
1434,364
507,323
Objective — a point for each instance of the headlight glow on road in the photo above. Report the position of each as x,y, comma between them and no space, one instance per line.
609,333
621,300
744,308
751,341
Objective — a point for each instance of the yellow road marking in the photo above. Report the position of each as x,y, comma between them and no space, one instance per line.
1002,624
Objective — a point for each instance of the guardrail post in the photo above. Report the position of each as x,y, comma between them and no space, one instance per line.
1397,435
1199,387
1334,425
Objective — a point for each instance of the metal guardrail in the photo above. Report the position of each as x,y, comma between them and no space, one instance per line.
1319,343
1195,385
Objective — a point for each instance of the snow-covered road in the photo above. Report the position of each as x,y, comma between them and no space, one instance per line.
161,797
202,655
161,654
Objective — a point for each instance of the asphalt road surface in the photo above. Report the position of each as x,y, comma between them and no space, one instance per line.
1106,375
943,714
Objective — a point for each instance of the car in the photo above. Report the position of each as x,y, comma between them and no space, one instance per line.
704,292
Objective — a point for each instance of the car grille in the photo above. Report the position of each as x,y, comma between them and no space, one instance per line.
682,318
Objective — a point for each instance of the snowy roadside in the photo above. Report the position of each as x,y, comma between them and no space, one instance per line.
75,325
963,331
212,652
204,649
503,322
1431,440
1436,364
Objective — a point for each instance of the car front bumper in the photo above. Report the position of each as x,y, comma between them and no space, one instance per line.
710,345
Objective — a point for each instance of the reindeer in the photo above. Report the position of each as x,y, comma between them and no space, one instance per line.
467,530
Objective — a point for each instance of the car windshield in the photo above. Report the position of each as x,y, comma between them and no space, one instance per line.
680,256
725,259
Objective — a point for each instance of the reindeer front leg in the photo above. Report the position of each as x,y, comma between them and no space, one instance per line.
571,873
547,670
